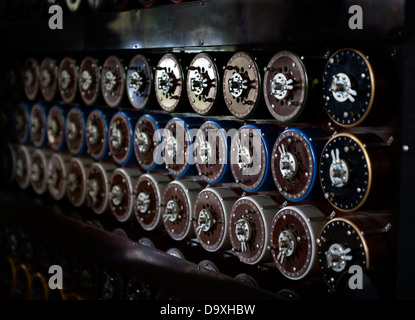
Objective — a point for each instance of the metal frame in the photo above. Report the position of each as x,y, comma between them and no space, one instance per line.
213,24
225,25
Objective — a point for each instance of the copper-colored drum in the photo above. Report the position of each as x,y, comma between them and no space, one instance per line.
48,79
178,203
211,217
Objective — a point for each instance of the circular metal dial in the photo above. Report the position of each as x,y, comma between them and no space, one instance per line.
147,140
75,131
340,245
68,79
241,85
48,79
23,164
98,186
22,122
212,152
250,158
345,172
89,80
38,131
96,131
120,136
178,203
56,128
177,147
57,173
148,193
295,164
211,217
348,87
38,171
31,78
168,82
285,86
202,83
139,82
121,197
113,81
77,180
293,234
249,228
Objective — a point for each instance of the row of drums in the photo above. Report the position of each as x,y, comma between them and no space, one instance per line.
286,87
299,163
300,239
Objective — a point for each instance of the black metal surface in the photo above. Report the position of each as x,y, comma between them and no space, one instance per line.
212,23
405,278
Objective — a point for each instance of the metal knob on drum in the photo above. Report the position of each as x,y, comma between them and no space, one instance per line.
139,82
56,127
121,137
250,228
89,80
148,140
113,81
250,150
177,146
241,85
23,165
202,83
212,149
75,127
178,203
121,195
38,170
148,194
38,129
57,174
295,161
22,122
48,79
169,83
76,180
31,70
98,186
293,240
68,80
354,240
211,214
96,133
